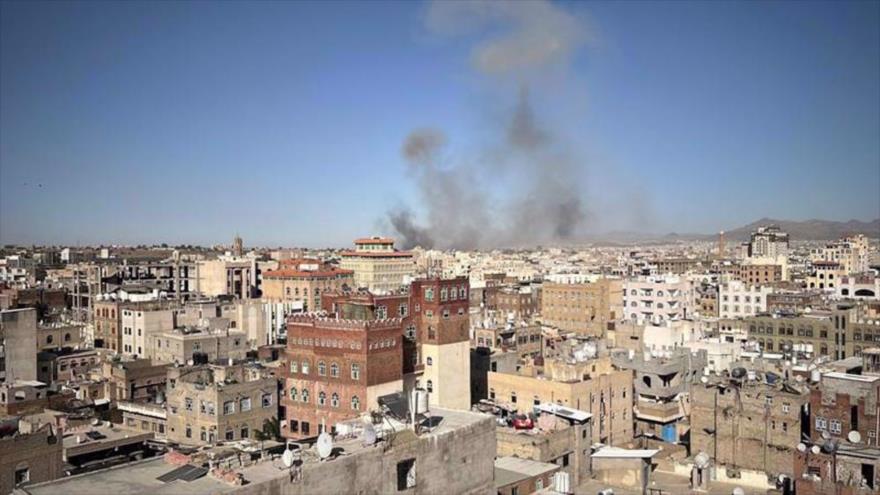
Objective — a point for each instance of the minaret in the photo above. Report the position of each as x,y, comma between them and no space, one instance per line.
237,246
721,245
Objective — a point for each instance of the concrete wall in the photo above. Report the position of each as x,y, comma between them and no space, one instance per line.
39,452
18,332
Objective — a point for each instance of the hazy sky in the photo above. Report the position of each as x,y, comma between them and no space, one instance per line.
186,122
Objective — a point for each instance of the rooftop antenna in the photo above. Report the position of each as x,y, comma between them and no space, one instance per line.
325,445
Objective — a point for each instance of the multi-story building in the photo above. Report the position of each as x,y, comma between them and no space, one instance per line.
748,426
790,301
336,369
768,242
304,280
18,345
30,455
859,287
210,344
833,332
518,302
106,324
843,430
442,324
825,275
582,308
133,380
211,403
676,266
594,386
757,273
851,253
662,390
227,276
657,299
738,299
140,321
377,266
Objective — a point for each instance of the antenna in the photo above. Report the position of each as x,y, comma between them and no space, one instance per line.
325,445
854,436
287,458
368,437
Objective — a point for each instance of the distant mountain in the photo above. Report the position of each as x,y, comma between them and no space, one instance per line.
808,230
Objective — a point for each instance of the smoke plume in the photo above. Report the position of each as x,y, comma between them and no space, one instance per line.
536,181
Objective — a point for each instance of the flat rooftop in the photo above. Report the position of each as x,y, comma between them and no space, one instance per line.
141,477
847,376
509,470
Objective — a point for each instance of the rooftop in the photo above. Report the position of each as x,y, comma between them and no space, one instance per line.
509,470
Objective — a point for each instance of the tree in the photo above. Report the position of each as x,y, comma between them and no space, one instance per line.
271,431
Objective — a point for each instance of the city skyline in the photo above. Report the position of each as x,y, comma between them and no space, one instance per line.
180,123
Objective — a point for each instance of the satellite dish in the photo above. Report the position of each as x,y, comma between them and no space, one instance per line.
802,447
854,437
96,422
287,458
704,379
815,449
369,435
325,445
702,460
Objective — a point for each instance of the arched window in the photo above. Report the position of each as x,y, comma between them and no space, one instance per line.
49,339
305,367
322,399
334,400
334,370
305,395
67,337
355,371
429,361
322,368
492,393
230,433
429,386
355,403
293,393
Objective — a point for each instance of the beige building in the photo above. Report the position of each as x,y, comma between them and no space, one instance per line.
377,266
211,403
18,345
583,308
142,320
593,386
132,380
179,345
227,276
851,253
304,280
826,275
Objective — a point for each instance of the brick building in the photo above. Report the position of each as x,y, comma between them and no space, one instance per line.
304,280
583,308
335,369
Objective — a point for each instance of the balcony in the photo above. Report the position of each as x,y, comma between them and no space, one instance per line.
660,412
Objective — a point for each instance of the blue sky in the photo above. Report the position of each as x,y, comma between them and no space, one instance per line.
185,122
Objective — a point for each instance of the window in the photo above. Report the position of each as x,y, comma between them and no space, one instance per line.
821,423
294,367
305,395
334,400
322,368
492,393
835,426
406,474
305,427
189,431
536,401
229,407
293,393
244,432
22,475
305,367
513,397
429,386
188,404
355,403
429,361
267,400
429,294
446,314
334,370
355,371
768,400
67,337
402,310
203,435
786,407
230,433
322,399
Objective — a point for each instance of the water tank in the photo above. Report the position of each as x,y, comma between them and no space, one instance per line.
421,400
815,376
562,483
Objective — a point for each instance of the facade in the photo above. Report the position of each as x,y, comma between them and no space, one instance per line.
140,321
133,380
30,457
18,345
593,386
657,299
866,287
335,370
106,324
211,403
304,280
377,266
757,273
792,301
851,253
517,302
441,320
739,300
826,275
768,242
676,266
226,276
838,333
752,426
586,309
181,345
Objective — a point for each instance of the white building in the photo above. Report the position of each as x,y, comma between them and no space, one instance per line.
768,242
140,322
859,287
657,299
377,266
851,253
738,300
